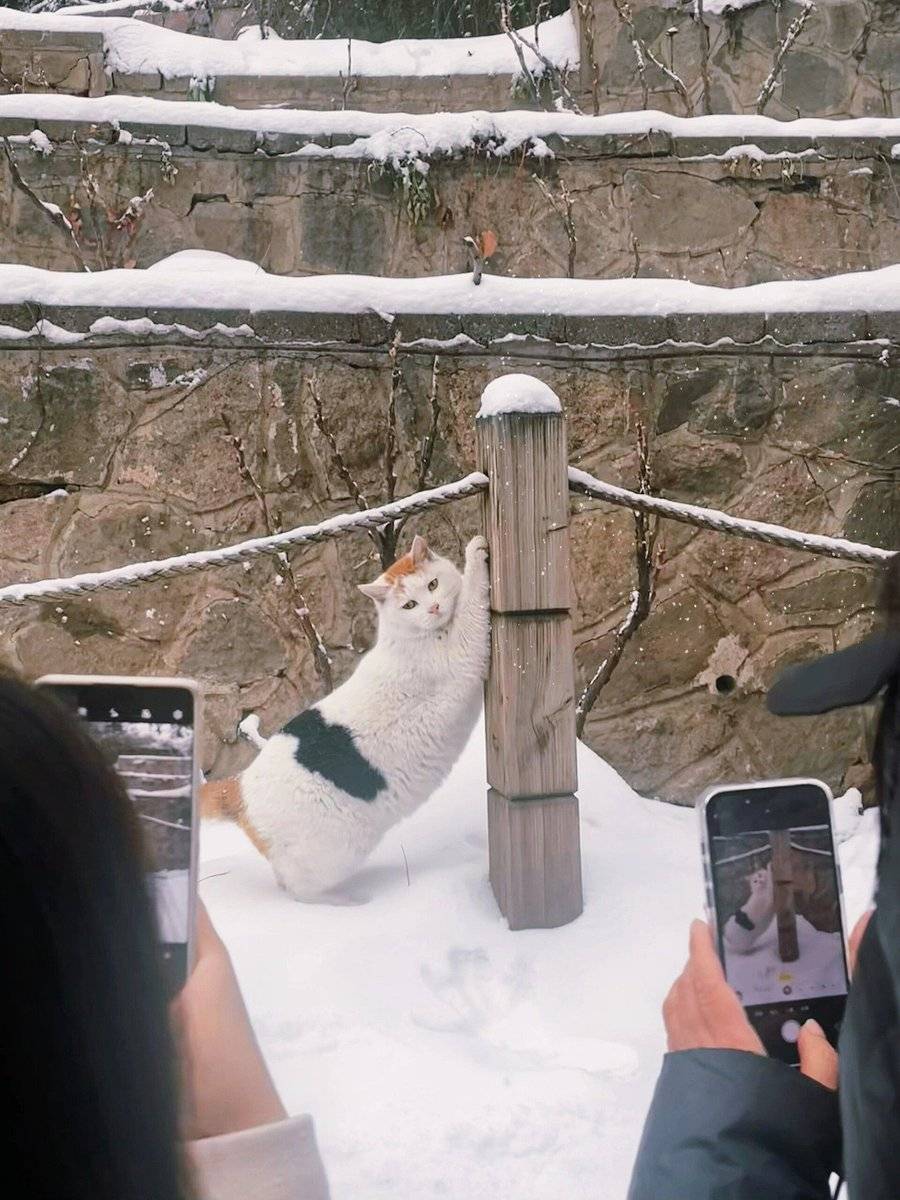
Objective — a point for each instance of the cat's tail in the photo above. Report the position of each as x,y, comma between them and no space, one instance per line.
221,799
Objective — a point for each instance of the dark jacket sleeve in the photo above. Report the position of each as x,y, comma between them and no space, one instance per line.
729,1125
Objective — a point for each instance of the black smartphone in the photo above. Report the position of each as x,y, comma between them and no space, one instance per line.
774,898
147,729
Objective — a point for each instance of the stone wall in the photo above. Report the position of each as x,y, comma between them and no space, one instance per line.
135,436
651,206
846,62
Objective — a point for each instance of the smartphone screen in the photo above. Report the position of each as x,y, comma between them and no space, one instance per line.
146,731
775,892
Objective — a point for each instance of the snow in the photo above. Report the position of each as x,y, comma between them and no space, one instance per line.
433,133
518,394
133,47
445,1057
202,278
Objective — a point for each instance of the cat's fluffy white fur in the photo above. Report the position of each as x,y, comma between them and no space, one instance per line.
409,708
758,912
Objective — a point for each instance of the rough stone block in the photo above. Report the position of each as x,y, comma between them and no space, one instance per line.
287,143
173,135
16,126
139,83
884,325
810,327
708,328
213,137
641,329
55,39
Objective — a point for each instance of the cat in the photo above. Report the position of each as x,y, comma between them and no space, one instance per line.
753,918
324,790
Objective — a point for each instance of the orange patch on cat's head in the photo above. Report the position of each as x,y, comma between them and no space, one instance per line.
403,566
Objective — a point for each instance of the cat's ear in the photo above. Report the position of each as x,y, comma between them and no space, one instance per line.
419,551
376,591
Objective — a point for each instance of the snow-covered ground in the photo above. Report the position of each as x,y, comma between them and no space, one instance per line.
133,47
446,1058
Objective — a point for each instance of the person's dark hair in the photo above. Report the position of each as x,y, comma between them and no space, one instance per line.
88,1073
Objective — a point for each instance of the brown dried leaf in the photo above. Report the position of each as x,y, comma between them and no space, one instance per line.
487,243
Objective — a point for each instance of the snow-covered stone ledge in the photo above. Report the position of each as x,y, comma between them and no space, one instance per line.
141,58
409,137
179,299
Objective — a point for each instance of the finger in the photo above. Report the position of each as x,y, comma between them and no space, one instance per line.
856,937
720,1012
818,1058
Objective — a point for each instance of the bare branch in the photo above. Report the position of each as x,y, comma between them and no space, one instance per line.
428,441
52,211
794,30
506,26
643,52
562,204
645,530
273,525
586,12
552,72
704,59
336,457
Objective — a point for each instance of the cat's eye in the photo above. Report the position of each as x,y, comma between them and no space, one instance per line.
410,604
432,585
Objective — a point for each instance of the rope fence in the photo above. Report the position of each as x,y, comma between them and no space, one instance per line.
709,518
580,482
202,560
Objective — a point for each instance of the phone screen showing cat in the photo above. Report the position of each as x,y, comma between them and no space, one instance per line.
147,734
777,903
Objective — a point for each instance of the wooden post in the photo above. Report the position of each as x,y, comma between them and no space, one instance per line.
533,832
783,880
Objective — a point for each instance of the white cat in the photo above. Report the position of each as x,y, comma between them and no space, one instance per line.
753,918
324,790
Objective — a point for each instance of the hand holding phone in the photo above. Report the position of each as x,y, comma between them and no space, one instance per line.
702,1011
147,730
774,900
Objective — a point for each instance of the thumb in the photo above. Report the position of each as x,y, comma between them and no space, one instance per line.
818,1058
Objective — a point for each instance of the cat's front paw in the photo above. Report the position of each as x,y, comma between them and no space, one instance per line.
477,552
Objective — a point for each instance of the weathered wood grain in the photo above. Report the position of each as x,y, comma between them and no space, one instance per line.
526,510
535,859
530,706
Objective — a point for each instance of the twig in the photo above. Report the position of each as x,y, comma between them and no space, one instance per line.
553,73
388,536
350,83
336,457
645,530
704,59
506,26
794,30
428,442
53,211
561,204
586,13
642,51
273,524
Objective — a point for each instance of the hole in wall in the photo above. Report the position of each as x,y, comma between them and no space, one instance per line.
726,684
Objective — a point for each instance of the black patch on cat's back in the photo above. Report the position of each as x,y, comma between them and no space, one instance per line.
741,918
330,751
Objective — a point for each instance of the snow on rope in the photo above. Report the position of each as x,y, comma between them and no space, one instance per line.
201,560
710,518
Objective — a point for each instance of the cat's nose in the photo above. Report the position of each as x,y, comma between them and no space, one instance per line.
435,608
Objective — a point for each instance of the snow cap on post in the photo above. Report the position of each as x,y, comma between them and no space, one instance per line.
518,394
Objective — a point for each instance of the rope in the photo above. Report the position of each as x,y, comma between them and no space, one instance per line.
710,518
202,560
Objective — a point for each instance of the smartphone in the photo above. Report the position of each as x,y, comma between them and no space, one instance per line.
774,900
147,729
